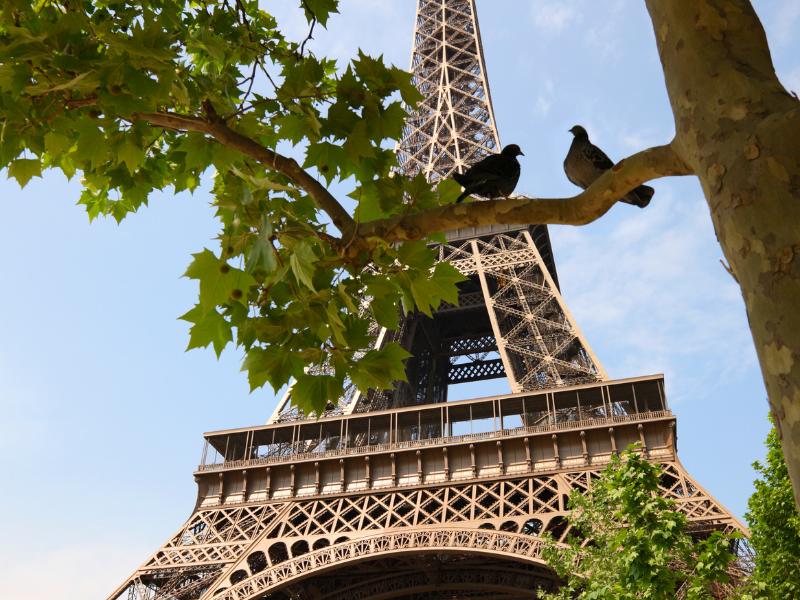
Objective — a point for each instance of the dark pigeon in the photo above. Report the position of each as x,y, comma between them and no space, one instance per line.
585,163
496,175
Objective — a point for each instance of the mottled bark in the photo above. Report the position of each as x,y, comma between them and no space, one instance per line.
739,131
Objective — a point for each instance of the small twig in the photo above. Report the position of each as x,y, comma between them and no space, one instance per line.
729,270
250,87
241,8
264,70
158,137
311,31
90,100
45,118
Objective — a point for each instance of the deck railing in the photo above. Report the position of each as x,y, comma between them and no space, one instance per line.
439,441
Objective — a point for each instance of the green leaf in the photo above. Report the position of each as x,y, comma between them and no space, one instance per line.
348,299
92,145
336,325
46,87
340,120
428,292
420,191
130,154
23,169
385,122
408,91
56,143
416,255
218,280
297,127
262,252
180,92
326,157
358,144
379,198
449,191
274,365
262,183
369,68
209,328
377,369
321,9
311,393
385,301
386,310
301,262
446,277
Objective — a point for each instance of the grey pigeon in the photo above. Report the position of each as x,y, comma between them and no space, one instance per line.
585,163
495,175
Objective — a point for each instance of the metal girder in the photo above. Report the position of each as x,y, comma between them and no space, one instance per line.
454,126
496,519
524,322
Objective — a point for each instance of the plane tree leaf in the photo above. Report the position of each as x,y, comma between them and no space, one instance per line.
219,282
208,328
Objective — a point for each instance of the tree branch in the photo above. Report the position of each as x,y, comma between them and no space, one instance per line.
221,132
593,203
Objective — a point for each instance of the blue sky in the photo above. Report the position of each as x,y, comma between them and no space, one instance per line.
103,412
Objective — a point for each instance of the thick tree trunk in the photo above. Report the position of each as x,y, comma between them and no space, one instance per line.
739,130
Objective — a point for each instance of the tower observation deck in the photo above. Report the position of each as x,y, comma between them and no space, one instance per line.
402,493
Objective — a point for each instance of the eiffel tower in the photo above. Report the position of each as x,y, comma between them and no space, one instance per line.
400,493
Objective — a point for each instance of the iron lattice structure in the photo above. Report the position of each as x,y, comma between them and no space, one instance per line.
400,493
454,126
397,502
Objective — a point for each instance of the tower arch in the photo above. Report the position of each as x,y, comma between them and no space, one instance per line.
362,564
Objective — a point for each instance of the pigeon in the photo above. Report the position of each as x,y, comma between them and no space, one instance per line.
585,163
495,175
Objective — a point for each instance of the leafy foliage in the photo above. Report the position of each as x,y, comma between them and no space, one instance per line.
638,543
775,526
144,96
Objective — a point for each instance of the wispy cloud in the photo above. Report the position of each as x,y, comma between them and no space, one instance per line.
639,140
605,41
552,16
544,100
650,291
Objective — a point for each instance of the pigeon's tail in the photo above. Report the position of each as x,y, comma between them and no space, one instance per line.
462,181
640,196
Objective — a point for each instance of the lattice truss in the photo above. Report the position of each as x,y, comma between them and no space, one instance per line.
510,308
538,338
454,126
511,322
248,551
